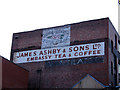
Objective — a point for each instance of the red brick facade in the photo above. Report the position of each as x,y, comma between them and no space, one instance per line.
41,75
13,76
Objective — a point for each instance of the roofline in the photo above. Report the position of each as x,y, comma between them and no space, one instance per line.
115,29
13,63
63,25
92,78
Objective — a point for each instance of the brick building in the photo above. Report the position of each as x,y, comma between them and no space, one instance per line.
59,57
12,76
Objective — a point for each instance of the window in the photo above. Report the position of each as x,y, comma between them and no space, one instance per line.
115,79
115,41
112,68
119,77
119,46
111,46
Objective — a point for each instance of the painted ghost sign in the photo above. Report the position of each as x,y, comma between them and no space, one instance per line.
75,61
55,37
76,51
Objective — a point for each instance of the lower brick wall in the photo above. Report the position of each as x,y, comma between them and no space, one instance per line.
13,76
64,76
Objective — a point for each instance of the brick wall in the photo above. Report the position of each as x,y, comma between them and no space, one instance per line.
66,75
13,76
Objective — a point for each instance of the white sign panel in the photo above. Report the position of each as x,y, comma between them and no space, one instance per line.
54,37
76,51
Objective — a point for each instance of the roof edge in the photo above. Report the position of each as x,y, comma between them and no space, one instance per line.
63,25
92,78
